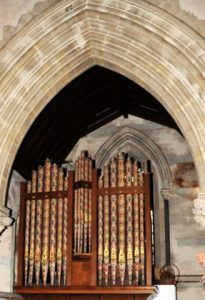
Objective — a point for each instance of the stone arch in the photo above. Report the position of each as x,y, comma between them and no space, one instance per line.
134,141
137,40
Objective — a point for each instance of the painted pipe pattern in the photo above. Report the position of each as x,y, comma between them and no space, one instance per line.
121,245
27,235
121,219
32,229
45,248
100,234
129,224
106,235
65,232
39,212
83,205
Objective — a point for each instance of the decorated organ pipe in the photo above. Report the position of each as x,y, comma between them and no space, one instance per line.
129,223
46,223
100,233
39,211
53,224
121,220
136,225
65,234
141,229
27,234
106,231
32,229
86,208
90,166
60,227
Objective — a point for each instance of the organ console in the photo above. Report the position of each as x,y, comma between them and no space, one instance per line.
86,233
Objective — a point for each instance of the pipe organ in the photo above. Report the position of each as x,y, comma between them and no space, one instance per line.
87,230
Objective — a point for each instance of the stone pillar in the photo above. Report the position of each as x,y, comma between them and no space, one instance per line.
6,244
167,195
8,217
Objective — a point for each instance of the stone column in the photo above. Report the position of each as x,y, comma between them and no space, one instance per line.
166,199
8,220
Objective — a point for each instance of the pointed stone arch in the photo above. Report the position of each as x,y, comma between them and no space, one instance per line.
136,39
140,146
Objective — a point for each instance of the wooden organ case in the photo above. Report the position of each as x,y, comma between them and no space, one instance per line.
86,234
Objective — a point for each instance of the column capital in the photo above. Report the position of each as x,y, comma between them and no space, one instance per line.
5,219
169,193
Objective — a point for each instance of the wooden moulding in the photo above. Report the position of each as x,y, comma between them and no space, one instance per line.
95,290
120,190
45,195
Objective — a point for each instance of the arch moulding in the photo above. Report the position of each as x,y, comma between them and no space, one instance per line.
136,39
140,146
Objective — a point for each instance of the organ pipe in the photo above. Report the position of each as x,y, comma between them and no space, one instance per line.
27,235
100,233
129,224
65,233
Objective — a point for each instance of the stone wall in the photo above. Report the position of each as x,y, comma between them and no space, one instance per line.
190,12
15,14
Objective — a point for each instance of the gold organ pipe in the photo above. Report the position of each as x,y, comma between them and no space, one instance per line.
113,225
32,229
100,233
46,223
65,232
129,222
27,235
38,241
